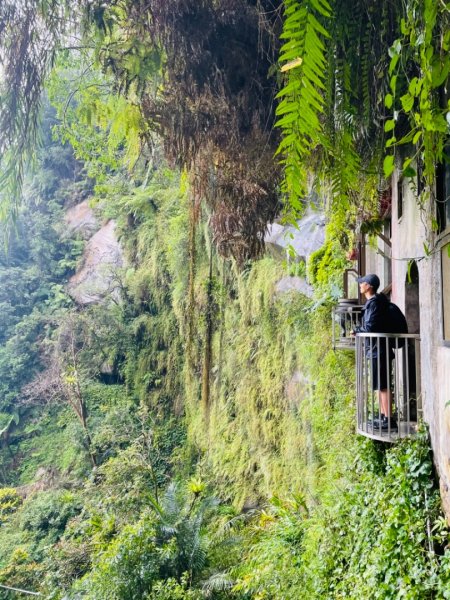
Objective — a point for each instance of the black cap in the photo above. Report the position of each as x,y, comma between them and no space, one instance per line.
372,279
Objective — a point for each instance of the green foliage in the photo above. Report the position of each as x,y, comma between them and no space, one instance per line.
259,389
36,525
21,572
272,564
50,439
29,35
170,589
381,542
276,424
169,544
370,77
34,263
325,268
9,502
46,514
346,520
103,128
328,105
129,566
373,533
302,97
418,71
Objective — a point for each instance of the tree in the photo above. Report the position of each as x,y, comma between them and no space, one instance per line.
63,379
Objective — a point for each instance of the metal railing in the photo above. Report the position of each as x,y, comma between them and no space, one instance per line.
346,316
388,381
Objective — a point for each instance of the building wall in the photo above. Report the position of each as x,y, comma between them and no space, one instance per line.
377,261
409,233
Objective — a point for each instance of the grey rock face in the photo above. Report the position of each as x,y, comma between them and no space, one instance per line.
97,278
305,239
80,219
296,284
308,237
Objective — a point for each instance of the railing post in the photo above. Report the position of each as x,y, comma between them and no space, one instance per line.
345,318
408,390
419,406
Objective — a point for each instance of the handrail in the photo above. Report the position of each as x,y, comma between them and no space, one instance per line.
345,318
14,589
414,336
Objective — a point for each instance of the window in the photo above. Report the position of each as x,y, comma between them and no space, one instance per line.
443,196
399,199
445,262
420,177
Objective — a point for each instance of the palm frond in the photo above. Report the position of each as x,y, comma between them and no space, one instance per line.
218,582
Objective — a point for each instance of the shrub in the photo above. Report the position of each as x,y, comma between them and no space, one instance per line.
9,502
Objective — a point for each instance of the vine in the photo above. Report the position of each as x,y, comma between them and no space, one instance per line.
363,81
418,72
302,98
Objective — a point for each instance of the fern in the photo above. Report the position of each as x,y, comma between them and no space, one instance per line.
219,582
330,112
302,98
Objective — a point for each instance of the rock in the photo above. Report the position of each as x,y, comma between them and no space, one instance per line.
296,389
306,239
296,284
97,279
46,478
82,220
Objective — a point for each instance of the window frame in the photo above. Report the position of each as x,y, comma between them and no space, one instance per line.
444,245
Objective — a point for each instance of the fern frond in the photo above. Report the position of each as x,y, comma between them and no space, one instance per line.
302,98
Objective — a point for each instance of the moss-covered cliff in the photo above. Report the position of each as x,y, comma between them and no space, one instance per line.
223,434
192,436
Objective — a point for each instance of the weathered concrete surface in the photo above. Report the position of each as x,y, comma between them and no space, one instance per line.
97,279
408,237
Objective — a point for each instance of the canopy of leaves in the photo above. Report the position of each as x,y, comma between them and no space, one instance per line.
362,77
200,72
214,107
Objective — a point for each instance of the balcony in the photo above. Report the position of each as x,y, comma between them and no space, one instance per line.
346,316
398,370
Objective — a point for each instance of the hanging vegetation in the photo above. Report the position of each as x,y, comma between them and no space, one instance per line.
214,107
29,32
201,74
365,82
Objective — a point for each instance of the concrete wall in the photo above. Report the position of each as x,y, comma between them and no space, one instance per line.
409,233
377,261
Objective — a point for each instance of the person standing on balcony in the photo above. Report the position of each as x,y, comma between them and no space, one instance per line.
375,319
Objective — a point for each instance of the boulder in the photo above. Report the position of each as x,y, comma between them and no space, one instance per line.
80,219
306,238
97,279
296,284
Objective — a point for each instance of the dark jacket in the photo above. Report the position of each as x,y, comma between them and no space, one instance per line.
374,319
374,315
